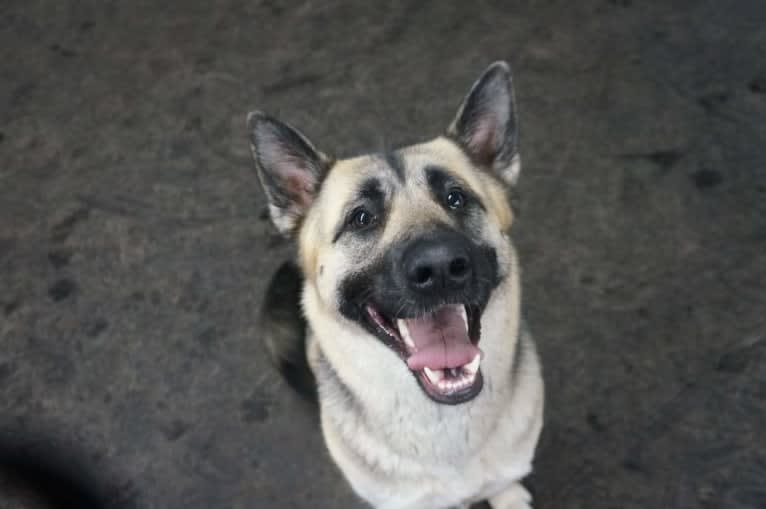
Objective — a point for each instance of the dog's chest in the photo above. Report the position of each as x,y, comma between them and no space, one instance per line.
390,481
444,464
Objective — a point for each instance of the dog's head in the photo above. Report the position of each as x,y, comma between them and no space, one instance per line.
408,245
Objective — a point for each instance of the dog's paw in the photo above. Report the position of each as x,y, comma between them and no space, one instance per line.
515,497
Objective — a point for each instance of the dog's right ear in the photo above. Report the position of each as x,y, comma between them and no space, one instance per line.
289,168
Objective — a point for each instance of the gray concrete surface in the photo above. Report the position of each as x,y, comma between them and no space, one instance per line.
134,252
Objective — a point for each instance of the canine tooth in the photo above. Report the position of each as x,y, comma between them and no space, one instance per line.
464,316
434,376
473,366
405,333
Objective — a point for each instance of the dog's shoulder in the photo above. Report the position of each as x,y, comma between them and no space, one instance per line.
283,329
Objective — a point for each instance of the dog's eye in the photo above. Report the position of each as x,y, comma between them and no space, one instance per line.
361,218
455,199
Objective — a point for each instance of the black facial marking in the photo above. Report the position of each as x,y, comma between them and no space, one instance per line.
384,282
370,199
440,182
396,163
370,190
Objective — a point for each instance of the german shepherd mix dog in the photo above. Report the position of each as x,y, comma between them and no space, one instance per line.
429,387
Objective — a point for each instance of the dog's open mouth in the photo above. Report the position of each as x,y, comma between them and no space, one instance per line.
440,347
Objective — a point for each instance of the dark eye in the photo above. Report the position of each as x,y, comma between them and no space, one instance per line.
362,218
455,199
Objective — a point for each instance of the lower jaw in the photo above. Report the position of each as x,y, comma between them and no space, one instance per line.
451,398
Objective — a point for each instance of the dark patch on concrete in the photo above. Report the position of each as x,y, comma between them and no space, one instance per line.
10,307
264,215
64,228
664,159
288,83
714,100
2,137
275,9
194,124
59,258
632,463
595,423
208,337
706,178
734,362
758,84
64,52
399,23
78,152
62,289
194,295
22,91
175,429
621,3
96,327
255,408
276,240
6,370
58,371
86,26
180,147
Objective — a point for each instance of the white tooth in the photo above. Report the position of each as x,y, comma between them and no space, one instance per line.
405,333
464,316
434,376
473,366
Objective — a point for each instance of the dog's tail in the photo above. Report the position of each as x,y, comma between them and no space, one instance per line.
284,330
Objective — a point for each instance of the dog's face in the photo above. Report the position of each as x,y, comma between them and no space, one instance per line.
407,245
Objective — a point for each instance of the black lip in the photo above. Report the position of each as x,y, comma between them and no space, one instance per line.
395,344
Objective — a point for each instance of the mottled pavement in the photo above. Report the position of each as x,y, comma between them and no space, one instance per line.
134,251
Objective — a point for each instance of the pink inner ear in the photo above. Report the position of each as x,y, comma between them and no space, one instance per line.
483,138
299,185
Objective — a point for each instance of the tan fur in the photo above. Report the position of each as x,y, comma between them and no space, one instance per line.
413,207
398,447
493,436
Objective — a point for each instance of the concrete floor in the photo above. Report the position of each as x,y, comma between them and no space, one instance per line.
134,251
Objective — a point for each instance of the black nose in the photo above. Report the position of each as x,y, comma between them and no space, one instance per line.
437,264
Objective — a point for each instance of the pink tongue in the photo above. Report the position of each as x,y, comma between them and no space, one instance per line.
441,340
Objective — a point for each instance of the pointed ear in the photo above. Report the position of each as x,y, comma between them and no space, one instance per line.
288,167
485,125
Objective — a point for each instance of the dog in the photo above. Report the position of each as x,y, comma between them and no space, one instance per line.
401,314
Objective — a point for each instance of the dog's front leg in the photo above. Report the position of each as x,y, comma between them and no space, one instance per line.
515,497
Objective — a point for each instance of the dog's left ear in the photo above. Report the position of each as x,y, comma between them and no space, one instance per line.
486,126
289,168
